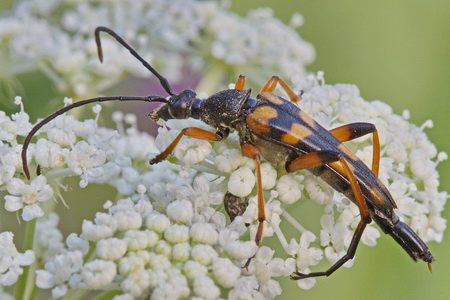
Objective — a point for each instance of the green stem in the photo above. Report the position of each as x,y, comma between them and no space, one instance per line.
107,295
91,253
26,281
76,294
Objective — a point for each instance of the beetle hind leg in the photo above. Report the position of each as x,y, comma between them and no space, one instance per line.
315,159
349,255
355,130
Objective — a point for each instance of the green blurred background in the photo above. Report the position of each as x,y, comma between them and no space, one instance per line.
394,51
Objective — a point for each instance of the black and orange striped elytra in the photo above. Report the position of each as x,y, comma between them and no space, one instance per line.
276,129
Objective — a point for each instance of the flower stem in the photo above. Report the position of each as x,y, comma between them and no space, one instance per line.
293,221
26,281
107,295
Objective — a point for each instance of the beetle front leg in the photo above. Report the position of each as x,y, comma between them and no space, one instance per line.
355,130
316,159
252,152
240,83
193,132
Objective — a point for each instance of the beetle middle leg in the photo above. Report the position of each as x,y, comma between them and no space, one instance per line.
252,152
193,132
316,159
355,130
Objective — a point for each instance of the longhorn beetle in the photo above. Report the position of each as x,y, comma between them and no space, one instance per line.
276,129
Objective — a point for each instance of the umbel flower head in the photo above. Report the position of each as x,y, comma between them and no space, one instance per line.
56,38
168,233
169,236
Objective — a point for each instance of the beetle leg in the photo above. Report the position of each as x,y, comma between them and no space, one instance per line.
311,160
240,83
252,152
354,130
271,84
193,132
349,255
316,159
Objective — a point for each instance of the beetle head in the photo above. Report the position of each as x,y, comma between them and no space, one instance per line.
178,107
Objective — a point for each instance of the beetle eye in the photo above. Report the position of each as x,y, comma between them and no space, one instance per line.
188,94
178,107
179,104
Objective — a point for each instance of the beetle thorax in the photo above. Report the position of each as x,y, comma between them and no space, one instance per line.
223,108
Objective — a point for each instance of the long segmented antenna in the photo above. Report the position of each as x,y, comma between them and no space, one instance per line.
164,82
71,106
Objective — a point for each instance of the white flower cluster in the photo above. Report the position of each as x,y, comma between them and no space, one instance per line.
11,260
169,235
175,254
197,31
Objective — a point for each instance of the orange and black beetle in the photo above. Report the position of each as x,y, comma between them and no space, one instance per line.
276,129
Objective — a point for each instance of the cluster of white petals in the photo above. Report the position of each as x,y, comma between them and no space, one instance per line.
197,31
168,233
11,261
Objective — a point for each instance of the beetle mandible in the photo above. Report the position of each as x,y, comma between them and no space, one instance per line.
278,130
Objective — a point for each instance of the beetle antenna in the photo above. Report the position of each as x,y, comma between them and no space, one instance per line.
71,106
163,81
